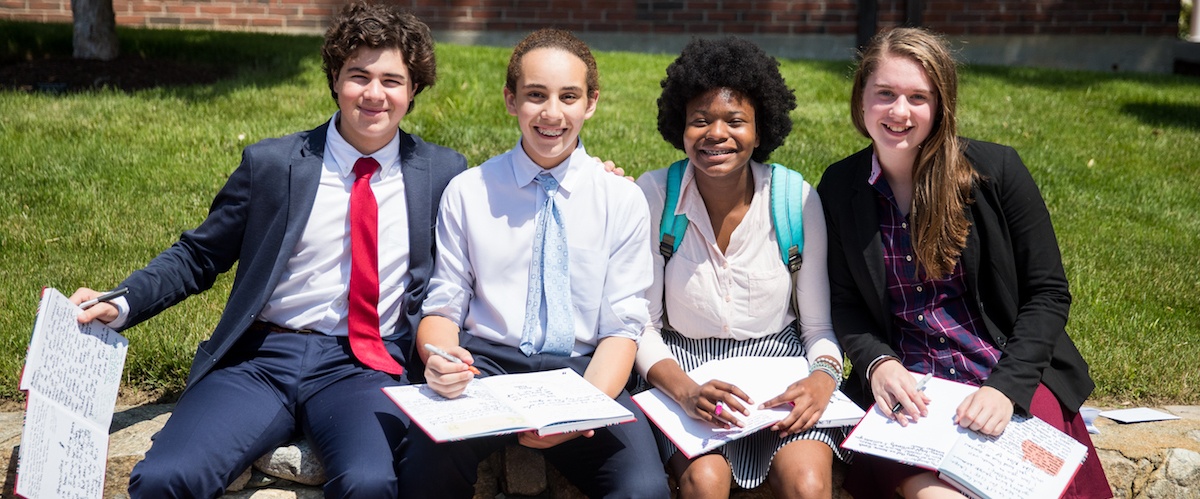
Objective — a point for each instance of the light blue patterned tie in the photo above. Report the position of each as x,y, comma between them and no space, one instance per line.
549,278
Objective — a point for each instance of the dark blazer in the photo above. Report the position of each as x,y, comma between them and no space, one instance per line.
256,220
1013,270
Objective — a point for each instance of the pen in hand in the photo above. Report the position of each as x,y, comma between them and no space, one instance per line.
109,296
446,355
920,387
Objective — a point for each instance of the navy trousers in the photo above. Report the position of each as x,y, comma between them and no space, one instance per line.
618,461
279,385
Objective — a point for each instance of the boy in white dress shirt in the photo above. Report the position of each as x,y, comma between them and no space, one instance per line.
487,304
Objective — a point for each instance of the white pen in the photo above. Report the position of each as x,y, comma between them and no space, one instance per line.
920,386
446,355
109,296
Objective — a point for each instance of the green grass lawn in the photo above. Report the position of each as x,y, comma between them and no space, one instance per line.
96,184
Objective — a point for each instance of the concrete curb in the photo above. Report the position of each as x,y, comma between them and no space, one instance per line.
1158,459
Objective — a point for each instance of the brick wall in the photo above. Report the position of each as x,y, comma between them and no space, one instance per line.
1156,18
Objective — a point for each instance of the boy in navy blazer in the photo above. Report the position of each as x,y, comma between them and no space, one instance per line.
286,356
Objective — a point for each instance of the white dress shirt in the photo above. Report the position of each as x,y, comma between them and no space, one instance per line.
744,292
485,246
312,292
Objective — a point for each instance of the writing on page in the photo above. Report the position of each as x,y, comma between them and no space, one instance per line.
72,374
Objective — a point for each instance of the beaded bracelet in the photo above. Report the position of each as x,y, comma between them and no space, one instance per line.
828,366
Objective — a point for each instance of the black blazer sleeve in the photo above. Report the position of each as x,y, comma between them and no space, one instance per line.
1021,287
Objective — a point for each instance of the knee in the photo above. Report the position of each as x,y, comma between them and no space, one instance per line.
648,483
362,482
705,475
802,483
150,479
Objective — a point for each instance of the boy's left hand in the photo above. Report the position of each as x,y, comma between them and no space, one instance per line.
612,168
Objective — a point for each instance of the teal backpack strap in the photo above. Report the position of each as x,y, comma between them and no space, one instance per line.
787,213
672,227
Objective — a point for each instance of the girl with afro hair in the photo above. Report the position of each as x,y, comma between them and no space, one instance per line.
726,289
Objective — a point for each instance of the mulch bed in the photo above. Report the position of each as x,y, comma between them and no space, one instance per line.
60,75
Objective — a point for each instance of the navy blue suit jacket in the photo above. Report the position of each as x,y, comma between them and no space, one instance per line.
256,220
1013,270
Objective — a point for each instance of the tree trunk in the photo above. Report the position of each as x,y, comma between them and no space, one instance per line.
95,30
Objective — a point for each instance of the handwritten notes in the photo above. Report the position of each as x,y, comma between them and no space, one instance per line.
1030,459
761,378
549,402
72,373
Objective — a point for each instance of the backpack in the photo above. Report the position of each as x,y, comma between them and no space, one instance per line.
787,205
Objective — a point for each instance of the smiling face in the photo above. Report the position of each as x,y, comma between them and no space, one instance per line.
373,93
898,106
719,133
551,102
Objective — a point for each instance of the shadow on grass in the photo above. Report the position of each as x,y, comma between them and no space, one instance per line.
1064,78
179,60
1165,114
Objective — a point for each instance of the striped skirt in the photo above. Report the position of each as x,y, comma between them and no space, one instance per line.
749,457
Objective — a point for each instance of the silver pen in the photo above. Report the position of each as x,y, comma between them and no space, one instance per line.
109,296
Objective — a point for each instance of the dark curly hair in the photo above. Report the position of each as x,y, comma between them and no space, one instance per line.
360,24
732,63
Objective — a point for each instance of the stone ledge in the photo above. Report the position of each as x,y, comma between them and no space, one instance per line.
1160,459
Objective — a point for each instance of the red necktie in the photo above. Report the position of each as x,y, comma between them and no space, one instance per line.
363,319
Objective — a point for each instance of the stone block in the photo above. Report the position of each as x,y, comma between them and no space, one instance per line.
296,462
487,483
524,471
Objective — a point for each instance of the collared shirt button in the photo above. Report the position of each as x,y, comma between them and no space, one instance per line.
903,225
920,317
951,370
339,303
942,339
728,298
724,265
908,258
725,328
920,288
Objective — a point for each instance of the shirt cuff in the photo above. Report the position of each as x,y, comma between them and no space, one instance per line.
122,312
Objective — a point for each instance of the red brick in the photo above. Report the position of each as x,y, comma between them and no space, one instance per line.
740,28
1145,17
231,21
687,16
1106,17
215,10
263,22
701,6
249,10
945,7
44,7
485,14
835,6
793,18
519,14
758,17
198,21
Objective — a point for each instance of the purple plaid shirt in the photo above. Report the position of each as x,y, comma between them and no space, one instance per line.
936,322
